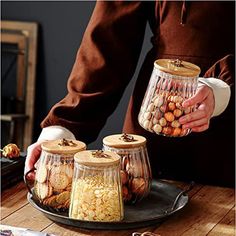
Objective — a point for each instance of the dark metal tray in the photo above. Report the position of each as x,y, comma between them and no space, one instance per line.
164,200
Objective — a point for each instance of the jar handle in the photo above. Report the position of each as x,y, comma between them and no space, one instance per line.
27,182
182,193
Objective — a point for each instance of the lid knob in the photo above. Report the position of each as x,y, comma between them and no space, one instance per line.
176,62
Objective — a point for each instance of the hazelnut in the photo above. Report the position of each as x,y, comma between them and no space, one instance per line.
175,124
169,116
150,107
177,99
138,186
147,115
171,106
167,130
163,108
177,112
146,124
162,122
124,177
176,132
158,101
157,128
158,114
154,121
179,105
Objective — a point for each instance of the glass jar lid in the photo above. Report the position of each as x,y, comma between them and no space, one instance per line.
124,141
63,146
97,158
177,67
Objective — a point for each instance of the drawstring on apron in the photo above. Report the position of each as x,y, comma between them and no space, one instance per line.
183,13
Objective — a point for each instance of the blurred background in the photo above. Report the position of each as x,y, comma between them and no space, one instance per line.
61,26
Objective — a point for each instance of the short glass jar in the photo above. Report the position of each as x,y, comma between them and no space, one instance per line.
171,83
54,172
135,170
96,189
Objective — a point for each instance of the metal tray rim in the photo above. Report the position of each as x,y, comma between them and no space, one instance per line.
110,225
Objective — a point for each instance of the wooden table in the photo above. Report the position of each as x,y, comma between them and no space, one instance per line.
211,211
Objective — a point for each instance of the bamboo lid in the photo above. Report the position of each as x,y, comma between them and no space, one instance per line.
124,141
63,146
177,67
97,158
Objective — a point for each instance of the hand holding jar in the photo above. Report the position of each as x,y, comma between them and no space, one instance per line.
199,120
171,84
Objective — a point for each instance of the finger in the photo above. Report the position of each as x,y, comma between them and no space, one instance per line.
195,123
196,115
200,95
200,128
33,154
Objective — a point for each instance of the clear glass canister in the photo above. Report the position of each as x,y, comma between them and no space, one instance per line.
96,189
54,172
171,83
135,167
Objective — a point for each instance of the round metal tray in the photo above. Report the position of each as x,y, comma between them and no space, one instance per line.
164,200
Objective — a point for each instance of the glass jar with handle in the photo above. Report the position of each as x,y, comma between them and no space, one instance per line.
171,83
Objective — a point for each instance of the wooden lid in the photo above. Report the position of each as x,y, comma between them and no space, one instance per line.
177,67
124,141
97,158
63,146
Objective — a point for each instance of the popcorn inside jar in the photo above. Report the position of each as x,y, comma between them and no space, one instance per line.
96,189
172,82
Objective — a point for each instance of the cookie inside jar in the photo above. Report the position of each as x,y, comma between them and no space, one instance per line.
135,168
54,173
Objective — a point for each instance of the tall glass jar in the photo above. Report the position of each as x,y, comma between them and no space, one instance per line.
171,83
96,189
135,167
54,172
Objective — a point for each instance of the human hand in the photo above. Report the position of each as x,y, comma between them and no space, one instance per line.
33,154
199,120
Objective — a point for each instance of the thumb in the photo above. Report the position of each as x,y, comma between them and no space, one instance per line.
200,96
33,154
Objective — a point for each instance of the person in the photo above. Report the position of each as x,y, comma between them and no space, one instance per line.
201,32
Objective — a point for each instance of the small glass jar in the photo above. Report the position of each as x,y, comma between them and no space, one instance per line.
135,167
171,83
54,172
96,189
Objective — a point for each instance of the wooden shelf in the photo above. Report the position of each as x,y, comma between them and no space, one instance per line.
13,117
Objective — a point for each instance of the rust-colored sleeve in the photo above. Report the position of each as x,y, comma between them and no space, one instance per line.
223,69
105,63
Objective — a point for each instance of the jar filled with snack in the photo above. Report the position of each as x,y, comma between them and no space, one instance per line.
96,189
54,172
135,167
171,83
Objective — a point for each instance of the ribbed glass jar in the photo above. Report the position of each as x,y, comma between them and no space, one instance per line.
54,173
135,168
171,83
96,189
